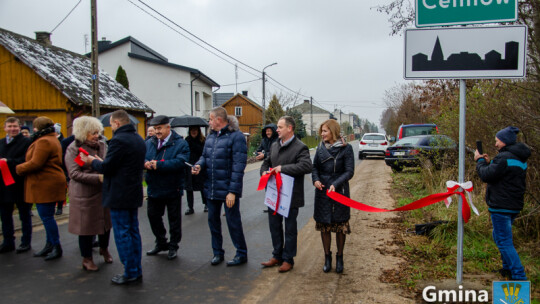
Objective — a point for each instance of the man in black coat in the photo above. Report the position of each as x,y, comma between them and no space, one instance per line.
505,178
288,156
122,171
13,151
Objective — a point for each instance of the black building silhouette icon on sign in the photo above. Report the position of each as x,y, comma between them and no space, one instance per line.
465,61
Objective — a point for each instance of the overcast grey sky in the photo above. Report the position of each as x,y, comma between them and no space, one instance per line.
340,52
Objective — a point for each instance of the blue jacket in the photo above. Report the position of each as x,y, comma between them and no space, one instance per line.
224,158
167,181
505,178
122,169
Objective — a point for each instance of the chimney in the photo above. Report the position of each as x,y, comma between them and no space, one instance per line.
43,38
245,93
103,43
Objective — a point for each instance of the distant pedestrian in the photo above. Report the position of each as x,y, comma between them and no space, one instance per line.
122,171
150,132
165,163
288,156
269,136
333,167
25,131
505,178
196,141
224,159
45,182
87,216
13,150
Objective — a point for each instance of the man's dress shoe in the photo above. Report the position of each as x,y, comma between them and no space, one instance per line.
238,260
172,254
217,259
120,279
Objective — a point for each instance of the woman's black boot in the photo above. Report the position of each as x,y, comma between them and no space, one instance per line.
55,253
46,250
339,263
327,262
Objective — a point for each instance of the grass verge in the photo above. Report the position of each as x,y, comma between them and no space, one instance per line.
433,257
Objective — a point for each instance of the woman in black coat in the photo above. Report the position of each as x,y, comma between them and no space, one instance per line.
333,167
196,140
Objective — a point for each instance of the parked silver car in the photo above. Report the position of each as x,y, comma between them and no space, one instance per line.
372,144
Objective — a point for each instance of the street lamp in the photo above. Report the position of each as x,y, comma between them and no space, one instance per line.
263,91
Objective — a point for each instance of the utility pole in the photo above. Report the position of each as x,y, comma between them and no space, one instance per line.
264,92
94,58
311,116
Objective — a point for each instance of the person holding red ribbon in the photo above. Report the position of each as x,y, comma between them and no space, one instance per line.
87,216
12,152
333,167
289,156
505,177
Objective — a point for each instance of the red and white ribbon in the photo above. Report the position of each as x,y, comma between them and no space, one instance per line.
421,203
264,180
467,187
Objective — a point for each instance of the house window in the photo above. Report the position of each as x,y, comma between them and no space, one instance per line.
238,111
197,102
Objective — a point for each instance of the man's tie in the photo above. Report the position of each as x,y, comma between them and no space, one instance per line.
160,143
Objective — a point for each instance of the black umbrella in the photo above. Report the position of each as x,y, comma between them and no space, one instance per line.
188,121
106,119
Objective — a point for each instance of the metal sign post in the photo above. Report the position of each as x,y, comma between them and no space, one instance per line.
461,177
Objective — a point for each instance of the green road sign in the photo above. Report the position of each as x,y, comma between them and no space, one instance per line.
449,12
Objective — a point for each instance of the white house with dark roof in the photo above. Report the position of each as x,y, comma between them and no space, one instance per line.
168,88
308,111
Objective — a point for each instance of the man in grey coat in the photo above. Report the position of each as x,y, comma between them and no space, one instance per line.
288,156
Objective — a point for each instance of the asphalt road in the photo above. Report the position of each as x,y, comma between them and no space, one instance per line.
188,279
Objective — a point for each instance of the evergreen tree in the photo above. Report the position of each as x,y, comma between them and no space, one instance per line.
274,111
121,77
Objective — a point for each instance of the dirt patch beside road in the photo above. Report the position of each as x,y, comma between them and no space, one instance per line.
367,256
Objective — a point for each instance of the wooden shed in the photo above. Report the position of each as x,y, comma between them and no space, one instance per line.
38,79
248,112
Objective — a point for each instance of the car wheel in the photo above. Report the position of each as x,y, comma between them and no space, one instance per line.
396,169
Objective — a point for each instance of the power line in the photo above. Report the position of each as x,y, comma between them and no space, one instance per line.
183,35
285,87
277,83
71,11
196,37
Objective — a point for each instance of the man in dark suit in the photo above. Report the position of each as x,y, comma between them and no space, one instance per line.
122,171
13,151
289,156
166,155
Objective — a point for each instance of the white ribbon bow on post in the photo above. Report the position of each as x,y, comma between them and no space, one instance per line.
467,187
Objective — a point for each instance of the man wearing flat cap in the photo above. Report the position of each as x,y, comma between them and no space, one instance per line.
166,154
505,178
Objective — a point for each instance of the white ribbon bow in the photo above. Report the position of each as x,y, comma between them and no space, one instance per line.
467,187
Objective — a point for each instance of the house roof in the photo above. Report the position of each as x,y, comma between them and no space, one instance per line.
305,108
70,73
220,98
245,98
143,52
